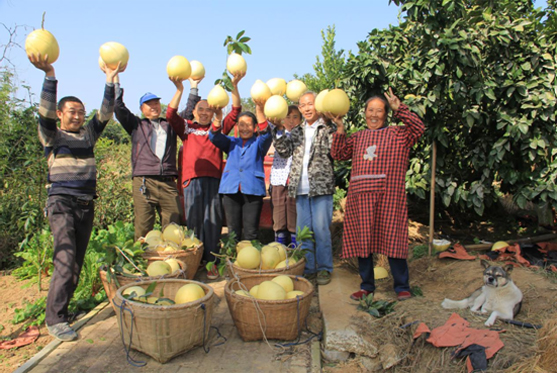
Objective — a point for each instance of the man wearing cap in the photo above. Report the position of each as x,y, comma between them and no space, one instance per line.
153,158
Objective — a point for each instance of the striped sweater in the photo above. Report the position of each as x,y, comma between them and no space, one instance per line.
71,162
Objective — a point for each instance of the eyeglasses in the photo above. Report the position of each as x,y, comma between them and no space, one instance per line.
81,113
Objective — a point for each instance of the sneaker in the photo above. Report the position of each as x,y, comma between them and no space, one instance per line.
323,277
360,294
213,273
403,295
62,331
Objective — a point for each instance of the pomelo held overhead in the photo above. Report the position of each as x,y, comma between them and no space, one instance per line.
276,107
336,102
217,97
260,91
319,100
236,64
112,53
42,42
277,86
197,70
295,89
179,67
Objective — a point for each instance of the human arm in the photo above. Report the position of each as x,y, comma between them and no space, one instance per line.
236,100
413,125
284,145
106,111
127,119
342,147
193,99
47,104
178,124
218,139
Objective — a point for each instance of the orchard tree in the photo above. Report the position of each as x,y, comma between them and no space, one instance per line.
481,74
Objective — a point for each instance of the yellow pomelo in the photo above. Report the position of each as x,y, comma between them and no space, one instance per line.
286,263
178,66
240,245
499,245
152,300
139,291
197,70
380,273
260,91
217,97
270,258
168,246
112,53
253,291
295,89
153,238
243,293
174,265
276,107
188,242
277,86
173,233
281,249
285,282
189,293
248,258
319,100
270,290
292,294
336,102
158,268
236,64
42,42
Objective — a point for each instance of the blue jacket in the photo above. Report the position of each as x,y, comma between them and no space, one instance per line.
244,165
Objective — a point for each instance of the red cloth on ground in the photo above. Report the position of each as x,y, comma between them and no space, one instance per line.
24,339
457,252
511,254
456,332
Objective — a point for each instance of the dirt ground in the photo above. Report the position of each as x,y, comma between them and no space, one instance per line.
436,278
15,294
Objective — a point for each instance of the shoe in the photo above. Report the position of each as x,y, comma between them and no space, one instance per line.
213,273
403,295
360,294
310,276
323,277
62,331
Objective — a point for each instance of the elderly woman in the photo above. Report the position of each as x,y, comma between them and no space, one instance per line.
376,219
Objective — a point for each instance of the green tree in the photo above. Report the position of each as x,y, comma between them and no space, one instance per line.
327,74
482,76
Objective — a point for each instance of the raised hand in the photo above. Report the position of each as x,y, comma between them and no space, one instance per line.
394,101
237,77
41,63
178,82
195,82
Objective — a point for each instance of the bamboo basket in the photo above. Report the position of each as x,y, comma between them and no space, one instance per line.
164,332
192,258
295,270
110,287
273,319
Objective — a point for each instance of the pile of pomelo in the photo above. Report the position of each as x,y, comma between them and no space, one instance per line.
271,256
279,288
172,238
186,294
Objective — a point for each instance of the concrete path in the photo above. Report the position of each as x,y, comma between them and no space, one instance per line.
100,349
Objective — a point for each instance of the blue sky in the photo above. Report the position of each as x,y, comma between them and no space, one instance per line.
286,38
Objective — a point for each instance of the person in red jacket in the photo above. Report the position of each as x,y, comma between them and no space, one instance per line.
202,167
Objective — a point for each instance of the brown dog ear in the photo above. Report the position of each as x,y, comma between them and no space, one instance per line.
508,268
484,263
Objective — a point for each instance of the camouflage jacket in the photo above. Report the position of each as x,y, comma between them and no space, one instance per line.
320,167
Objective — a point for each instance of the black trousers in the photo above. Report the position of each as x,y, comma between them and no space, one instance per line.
399,270
242,212
71,222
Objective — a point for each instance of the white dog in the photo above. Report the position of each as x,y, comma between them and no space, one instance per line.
499,295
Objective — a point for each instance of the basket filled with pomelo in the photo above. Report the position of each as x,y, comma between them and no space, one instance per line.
164,318
174,242
269,306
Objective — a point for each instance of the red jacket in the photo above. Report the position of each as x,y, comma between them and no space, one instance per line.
200,158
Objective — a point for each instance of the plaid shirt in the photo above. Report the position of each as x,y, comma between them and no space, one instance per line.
376,217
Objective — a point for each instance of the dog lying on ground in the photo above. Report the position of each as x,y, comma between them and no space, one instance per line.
499,295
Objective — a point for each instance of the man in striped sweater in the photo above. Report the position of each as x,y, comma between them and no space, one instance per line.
72,179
